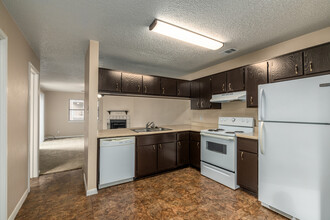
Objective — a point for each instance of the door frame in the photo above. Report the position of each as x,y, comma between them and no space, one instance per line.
33,151
3,123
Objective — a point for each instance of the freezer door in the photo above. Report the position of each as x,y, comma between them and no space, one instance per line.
302,100
294,166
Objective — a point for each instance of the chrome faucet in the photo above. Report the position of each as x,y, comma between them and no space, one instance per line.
150,125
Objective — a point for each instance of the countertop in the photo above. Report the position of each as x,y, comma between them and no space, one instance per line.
124,132
253,136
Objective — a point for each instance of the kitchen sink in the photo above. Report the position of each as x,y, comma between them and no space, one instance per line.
138,130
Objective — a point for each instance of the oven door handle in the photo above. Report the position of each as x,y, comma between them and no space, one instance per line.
218,136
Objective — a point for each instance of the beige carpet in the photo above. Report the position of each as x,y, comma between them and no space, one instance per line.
61,155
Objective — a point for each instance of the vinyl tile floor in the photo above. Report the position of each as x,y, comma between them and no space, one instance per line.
180,194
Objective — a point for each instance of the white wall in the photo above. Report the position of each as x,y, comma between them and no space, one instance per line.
19,56
42,117
57,121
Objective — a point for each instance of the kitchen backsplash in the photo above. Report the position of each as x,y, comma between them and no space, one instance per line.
236,109
143,109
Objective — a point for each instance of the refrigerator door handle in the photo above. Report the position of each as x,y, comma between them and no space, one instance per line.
261,109
325,85
261,141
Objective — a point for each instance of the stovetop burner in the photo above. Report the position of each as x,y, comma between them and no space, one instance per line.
218,129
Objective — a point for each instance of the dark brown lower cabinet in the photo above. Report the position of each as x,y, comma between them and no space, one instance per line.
195,150
155,153
146,160
182,153
247,164
166,156
161,152
195,154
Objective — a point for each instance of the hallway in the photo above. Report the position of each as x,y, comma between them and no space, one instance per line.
61,155
181,194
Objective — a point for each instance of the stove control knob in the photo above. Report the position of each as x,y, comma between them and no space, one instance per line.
233,119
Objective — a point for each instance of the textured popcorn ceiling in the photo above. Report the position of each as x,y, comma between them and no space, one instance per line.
59,30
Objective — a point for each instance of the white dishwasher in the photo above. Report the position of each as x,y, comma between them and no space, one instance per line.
116,161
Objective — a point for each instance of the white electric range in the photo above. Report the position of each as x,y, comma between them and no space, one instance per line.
219,149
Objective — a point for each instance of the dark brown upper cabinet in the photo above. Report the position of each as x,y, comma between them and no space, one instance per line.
168,86
235,80
201,94
183,88
219,83
194,94
286,66
131,83
109,80
317,59
255,75
205,92
151,85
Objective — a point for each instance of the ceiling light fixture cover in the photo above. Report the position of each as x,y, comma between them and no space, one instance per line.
179,33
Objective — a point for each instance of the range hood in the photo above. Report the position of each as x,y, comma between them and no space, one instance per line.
229,97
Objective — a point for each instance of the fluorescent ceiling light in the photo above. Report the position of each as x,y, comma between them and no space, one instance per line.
179,33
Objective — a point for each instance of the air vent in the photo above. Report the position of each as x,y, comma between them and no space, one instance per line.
229,51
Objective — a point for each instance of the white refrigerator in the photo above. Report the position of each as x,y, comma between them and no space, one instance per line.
294,147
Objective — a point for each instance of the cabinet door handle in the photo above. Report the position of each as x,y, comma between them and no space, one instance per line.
154,147
160,146
117,86
229,86
198,145
251,100
178,91
310,66
163,91
242,154
145,89
179,144
296,69
201,104
223,87
139,88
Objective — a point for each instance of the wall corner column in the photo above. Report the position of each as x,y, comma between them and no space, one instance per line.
91,124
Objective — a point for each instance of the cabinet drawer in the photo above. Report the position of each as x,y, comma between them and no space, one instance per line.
248,145
155,139
195,136
182,136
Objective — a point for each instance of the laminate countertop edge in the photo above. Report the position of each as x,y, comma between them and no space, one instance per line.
127,132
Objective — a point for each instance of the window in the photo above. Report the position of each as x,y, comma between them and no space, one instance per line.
76,110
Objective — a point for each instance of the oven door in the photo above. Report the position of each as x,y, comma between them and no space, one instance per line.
219,151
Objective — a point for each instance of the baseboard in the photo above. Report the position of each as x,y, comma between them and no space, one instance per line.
61,137
91,191
19,205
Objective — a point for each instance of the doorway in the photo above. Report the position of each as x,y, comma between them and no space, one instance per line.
3,124
33,121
